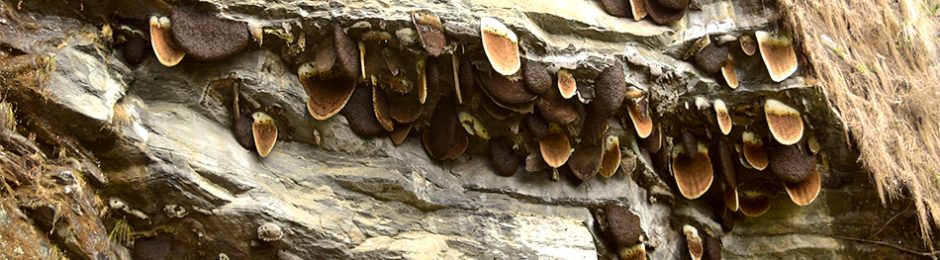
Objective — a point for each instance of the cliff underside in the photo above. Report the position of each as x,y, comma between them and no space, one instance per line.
249,129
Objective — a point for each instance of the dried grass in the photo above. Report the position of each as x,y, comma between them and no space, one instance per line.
7,116
877,60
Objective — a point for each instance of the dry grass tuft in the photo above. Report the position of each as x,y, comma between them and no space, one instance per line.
122,233
121,116
877,59
7,116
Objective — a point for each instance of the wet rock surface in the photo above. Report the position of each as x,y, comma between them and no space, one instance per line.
159,136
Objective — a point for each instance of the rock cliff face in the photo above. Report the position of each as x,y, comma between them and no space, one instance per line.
111,160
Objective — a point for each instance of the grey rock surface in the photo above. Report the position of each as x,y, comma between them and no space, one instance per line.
335,195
